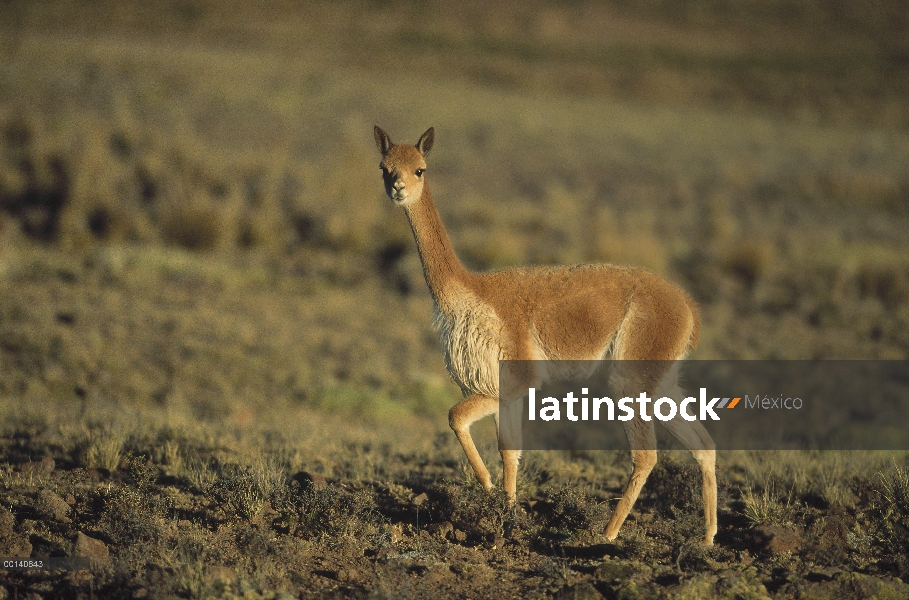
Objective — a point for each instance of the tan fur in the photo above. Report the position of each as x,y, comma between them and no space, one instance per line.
583,312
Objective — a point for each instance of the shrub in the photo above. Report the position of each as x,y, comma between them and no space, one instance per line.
333,512
574,515
239,491
676,486
471,508
130,516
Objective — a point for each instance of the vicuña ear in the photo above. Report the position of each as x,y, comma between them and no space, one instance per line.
425,143
382,140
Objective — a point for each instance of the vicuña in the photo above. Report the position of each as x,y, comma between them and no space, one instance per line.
581,312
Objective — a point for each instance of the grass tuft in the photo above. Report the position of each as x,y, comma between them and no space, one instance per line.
892,510
103,448
769,506
201,472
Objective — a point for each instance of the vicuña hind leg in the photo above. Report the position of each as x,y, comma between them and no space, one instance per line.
510,460
696,439
461,416
509,429
642,438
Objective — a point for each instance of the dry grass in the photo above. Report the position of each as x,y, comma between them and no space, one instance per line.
768,506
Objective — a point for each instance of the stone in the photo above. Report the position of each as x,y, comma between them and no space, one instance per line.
779,539
442,529
51,506
91,548
396,532
346,575
825,573
613,571
579,591
14,545
314,480
7,520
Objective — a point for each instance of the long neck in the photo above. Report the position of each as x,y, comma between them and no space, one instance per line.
441,266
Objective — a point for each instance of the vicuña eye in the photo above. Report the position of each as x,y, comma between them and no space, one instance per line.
420,172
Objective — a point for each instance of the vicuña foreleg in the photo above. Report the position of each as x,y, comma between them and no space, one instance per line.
461,416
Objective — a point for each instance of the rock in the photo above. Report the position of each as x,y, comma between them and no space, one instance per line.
443,529
579,591
346,575
744,557
824,573
487,525
51,506
613,571
460,536
91,548
27,526
385,554
7,520
739,584
778,539
314,480
396,532
14,545
475,571
420,500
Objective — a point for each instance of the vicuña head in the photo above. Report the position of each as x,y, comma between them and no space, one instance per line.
403,166
583,312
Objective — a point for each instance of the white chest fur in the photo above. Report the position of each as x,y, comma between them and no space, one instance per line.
471,335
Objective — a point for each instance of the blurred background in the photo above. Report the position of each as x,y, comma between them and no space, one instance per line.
191,213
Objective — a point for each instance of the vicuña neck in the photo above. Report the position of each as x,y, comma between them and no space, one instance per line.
441,266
